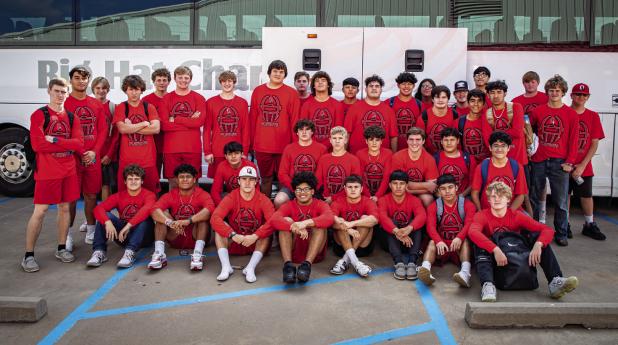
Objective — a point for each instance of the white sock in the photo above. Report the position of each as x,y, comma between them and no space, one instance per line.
199,247
91,228
351,253
426,264
346,258
589,219
160,247
465,267
249,270
224,257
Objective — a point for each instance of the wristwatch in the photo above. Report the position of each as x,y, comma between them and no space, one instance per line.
232,234
54,140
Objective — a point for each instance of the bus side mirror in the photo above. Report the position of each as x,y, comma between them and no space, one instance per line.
312,59
414,60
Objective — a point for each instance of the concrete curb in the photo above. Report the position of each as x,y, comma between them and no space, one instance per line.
541,315
22,309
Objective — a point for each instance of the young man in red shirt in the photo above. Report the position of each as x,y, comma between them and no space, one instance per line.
94,127
227,120
181,218
481,77
240,224
371,112
499,167
589,133
355,217
161,78
182,115
301,83
334,167
407,109
557,127
302,225
532,97
299,156
226,176
274,110
402,216
375,162
133,226
455,162
109,152
350,90
448,219
53,142
137,123
423,93
500,218
470,127
322,109
419,165
460,92
437,118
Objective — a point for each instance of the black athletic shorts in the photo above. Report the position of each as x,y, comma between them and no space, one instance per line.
583,190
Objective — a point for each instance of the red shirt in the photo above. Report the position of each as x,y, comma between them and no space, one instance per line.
557,130
485,224
273,115
362,115
472,139
351,212
504,174
458,168
451,225
332,172
137,148
346,107
226,179
55,161
156,101
184,134
589,128
530,103
317,210
183,207
110,146
435,125
426,105
514,128
461,111
407,115
92,119
399,215
374,170
131,209
297,158
420,170
245,217
325,115
304,100
227,120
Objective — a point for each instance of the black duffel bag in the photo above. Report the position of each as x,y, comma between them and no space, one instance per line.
517,274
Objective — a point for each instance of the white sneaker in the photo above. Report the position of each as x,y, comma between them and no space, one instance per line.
488,292
462,278
97,259
69,241
83,227
90,235
249,275
225,274
542,216
158,261
340,267
362,269
197,264
127,259
424,274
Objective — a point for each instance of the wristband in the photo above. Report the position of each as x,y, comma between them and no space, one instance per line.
168,222
232,234
54,140
190,220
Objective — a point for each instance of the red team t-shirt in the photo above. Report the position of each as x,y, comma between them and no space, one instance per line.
156,101
451,225
457,167
325,115
407,115
375,170
273,115
393,214
297,158
131,209
505,174
184,134
420,170
426,105
227,120
461,111
557,129
589,128
472,139
362,115
92,119
350,212
530,103
137,148
226,179
346,107
110,146
332,172
435,125
514,128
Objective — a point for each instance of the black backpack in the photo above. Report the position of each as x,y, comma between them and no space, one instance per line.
126,109
28,151
517,274
424,115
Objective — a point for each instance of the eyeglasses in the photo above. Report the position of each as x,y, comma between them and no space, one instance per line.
303,190
481,75
426,86
499,146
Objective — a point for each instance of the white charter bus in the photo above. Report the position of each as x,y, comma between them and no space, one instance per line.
440,39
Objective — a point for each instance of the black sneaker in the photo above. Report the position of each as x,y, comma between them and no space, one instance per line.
289,273
562,242
569,232
304,271
592,230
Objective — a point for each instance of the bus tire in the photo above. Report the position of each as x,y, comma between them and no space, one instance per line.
16,175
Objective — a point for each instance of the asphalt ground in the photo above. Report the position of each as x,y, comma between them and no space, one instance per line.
175,306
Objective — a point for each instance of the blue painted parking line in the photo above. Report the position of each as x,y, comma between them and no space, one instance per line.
5,200
607,218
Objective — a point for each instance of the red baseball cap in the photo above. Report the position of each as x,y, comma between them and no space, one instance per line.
581,88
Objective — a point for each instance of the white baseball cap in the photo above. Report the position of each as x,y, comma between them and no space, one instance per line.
247,172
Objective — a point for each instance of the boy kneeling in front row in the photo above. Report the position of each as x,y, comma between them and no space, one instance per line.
500,218
448,219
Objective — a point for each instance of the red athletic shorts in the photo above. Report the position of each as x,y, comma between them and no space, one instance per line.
448,257
90,178
172,160
49,192
301,247
151,180
268,163
212,168
186,240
